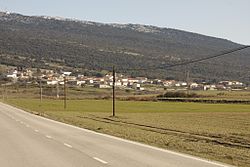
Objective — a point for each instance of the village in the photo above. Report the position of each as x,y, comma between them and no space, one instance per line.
50,77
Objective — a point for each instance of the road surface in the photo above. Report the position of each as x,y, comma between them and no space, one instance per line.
27,140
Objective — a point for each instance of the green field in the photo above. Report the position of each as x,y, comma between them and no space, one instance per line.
105,106
90,92
214,131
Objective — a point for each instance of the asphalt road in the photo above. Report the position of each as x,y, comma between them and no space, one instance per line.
27,140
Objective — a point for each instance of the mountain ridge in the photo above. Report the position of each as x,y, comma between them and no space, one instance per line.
133,26
99,46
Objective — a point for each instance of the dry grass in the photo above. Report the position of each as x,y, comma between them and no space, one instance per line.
214,131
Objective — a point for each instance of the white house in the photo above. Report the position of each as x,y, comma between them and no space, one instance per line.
133,80
13,75
80,83
52,82
102,86
194,85
142,79
67,73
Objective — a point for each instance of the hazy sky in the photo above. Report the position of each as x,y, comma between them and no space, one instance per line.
228,19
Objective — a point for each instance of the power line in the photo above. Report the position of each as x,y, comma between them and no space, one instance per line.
190,61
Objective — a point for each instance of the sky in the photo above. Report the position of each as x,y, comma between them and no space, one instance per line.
229,19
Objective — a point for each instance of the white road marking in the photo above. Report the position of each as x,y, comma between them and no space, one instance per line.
100,160
36,130
67,145
49,137
123,140
133,142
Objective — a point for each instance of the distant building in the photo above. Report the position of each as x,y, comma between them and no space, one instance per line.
102,86
52,82
142,79
67,73
168,83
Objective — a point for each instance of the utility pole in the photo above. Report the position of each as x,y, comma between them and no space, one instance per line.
65,93
113,109
2,91
41,92
188,81
57,91
5,92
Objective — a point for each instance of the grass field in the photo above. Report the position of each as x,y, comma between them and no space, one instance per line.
90,92
214,131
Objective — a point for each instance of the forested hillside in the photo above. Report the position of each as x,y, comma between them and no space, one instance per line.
47,42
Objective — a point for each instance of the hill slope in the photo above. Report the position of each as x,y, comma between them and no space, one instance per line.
46,41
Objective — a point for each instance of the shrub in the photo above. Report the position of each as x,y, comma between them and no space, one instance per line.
179,95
